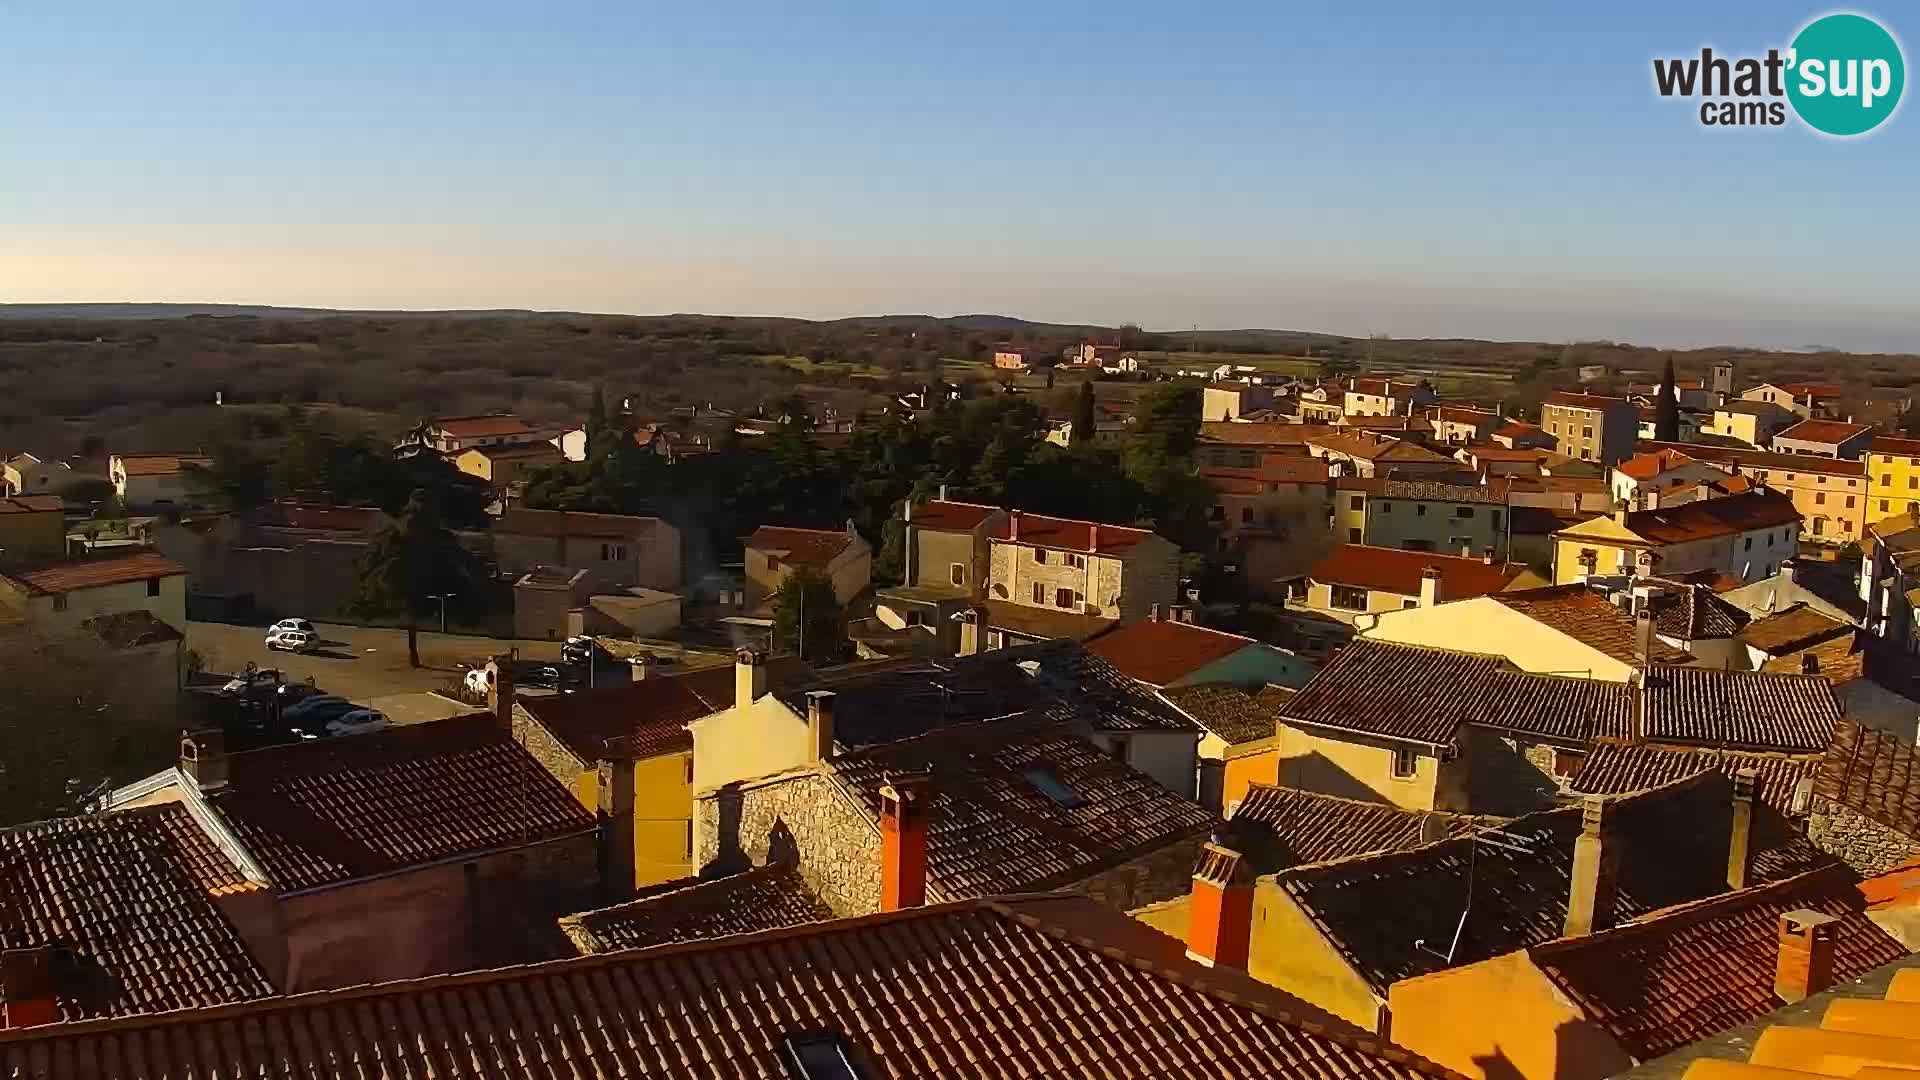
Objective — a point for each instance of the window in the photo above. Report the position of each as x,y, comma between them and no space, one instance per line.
1386,507
1463,511
1849,502
1248,460
613,552
1040,556
1420,510
1409,602
1749,544
1913,482
1357,502
1886,479
153,586
1819,498
1039,593
1048,783
1769,539
689,774
1217,512
1417,545
59,601
1405,764
1063,598
1586,433
821,1055
1353,535
1883,506
1350,598
1246,514
1496,518
957,573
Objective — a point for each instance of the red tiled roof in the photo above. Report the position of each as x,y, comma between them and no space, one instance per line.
1031,986
1763,461
1704,519
1823,431
159,464
1233,713
1460,414
1164,651
72,575
127,893
1742,710
1573,400
1694,613
322,813
1272,434
1646,466
1613,767
1068,534
1517,428
31,504
1369,447
763,898
1888,444
650,716
1699,970
1872,773
1282,827
1396,571
1273,469
523,522
1589,618
474,427
947,516
542,451
1793,628
1801,389
802,547
1861,655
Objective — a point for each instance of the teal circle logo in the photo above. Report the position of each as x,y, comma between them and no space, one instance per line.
1845,74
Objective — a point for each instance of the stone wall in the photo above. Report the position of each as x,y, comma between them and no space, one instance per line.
798,820
1859,841
1151,576
550,752
1162,874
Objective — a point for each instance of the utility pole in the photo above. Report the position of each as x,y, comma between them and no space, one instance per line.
442,597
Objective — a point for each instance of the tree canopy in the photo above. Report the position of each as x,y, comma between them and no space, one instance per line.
413,561
806,618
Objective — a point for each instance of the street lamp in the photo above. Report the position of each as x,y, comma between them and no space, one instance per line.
442,597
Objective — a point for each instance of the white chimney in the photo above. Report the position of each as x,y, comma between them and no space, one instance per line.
1429,587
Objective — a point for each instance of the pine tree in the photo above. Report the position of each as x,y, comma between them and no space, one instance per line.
1666,408
413,560
1083,414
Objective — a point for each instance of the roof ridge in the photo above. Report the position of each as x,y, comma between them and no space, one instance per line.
1324,797
1692,912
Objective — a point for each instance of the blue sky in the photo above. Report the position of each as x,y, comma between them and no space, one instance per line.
1403,168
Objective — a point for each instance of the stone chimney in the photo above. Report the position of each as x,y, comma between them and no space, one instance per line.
903,841
27,984
500,694
749,678
1013,525
819,725
1740,839
1220,911
1429,587
1595,865
1805,967
1786,570
203,756
617,826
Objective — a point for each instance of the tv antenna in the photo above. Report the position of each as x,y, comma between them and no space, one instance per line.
1476,835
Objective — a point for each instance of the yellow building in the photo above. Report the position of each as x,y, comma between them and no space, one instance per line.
1741,536
1559,630
1893,476
502,466
588,739
1835,497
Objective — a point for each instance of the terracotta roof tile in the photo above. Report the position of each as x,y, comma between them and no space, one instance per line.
1270,434
71,575
32,504
1055,987
1616,768
1231,712
1394,570
475,427
1425,695
1370,447
650,715
1860,655
1161,651
1793,628
160,464
125,896
1694,613
1738,710
1672,845
1888,444
321,813
1069,534
1649,464
1589,618
1761,460
1282,827
1708,518
764,898
1273,469
1573,400
991,829
1701,969
947,516
1824,431
1874,774
522,522
802,547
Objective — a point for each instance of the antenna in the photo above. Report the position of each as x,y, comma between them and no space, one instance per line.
1476,835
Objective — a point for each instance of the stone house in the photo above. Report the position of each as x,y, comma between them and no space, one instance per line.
418,850
1744,536
841,556
154,482
616,549
1266,514
1591,427
450,435
285,559
946,569
64,593
1053,577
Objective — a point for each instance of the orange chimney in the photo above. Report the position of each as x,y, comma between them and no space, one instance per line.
903,842
26,978
1806,955
1220,912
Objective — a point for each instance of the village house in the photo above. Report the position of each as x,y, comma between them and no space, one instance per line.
154,482
64,593
1460,425
1832,494
1688,393
1246,445
1750,423
946,555
1890,580
1414,429
282,559
1825,587
1367,455
1385,397
450,435
417,850
32,527
1743,536
1264,513
1810,401
1793,629
1240,743
1051,577
1352,583
1010,358
505,468
1319,404
1557,630
26,474
1657,471
1893,475
1422,515
1686,427
618,549
1031,970
1825,438
1520,435
840,556
1590,427
1232,400
1878,686
1577,1009
1555,874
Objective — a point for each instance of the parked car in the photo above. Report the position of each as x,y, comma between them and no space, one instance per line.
543,677
246,681
579,650
301,625
293,640
357,722
317,709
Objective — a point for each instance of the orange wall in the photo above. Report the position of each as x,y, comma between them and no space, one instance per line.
1238,773
1500,1019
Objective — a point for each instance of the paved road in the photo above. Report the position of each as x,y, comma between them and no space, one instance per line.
357,662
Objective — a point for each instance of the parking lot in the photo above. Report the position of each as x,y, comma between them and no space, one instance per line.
357,662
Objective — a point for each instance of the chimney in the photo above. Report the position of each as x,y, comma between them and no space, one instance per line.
943,493
1590,900
749,678
1153,613
819,725
908,543
1013,525
1805,966
1486,556
203,756
1429,587
615,787
903,841
1620,513
500,695
1220,912
1740,840
1786,570
970,620
26,983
